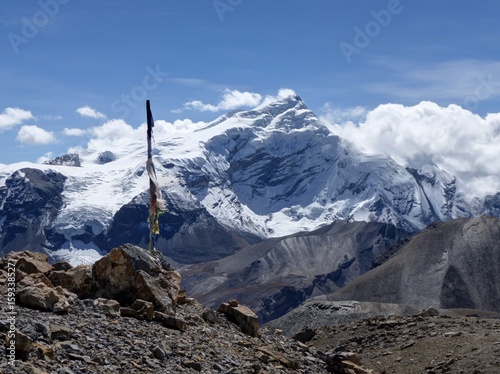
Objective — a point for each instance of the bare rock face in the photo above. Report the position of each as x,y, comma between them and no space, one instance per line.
43,297
129,273
243,316
110,307
33,265
82,282
453,264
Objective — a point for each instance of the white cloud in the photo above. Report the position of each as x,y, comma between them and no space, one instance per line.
74,132
34,135
231,99
453,138
12,117
114,129
117,136
283,93
86,111
46,157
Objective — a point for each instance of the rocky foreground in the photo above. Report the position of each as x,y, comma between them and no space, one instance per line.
430,341
126,313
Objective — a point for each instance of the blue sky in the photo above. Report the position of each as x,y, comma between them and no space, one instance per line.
68,66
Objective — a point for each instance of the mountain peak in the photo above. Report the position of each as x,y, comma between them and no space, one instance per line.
284,101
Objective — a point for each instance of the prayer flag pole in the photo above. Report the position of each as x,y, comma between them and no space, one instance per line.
157,205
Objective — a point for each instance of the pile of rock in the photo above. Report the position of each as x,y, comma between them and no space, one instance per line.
126,274
127,313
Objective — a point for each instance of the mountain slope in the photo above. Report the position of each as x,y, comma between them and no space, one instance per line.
278,274
454,264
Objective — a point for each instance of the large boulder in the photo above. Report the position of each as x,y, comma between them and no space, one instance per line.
42,296
243,316
129,273
33,265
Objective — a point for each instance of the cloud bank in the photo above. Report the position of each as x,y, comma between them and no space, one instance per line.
117,134
234,99
455,139
231,99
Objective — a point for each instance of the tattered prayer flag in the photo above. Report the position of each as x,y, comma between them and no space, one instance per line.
157,205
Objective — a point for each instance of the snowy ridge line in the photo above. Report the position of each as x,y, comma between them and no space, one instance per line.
267,172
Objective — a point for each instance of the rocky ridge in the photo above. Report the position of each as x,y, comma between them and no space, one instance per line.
276,275
144,324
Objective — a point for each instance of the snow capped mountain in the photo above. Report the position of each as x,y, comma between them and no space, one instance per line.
248,175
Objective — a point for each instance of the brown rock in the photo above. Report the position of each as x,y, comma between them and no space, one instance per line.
82,281
20,275
281,358
128,273
243,316
110,307
32,279
349,362
128,312
58,332
144,309
33,265
209,315
27,254
305,335
61,278
43,350
41,296
62,265
170,322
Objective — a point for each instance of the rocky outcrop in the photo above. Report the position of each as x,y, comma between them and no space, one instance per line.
70,159
106,335
30,201
125,275
129,273
242,315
